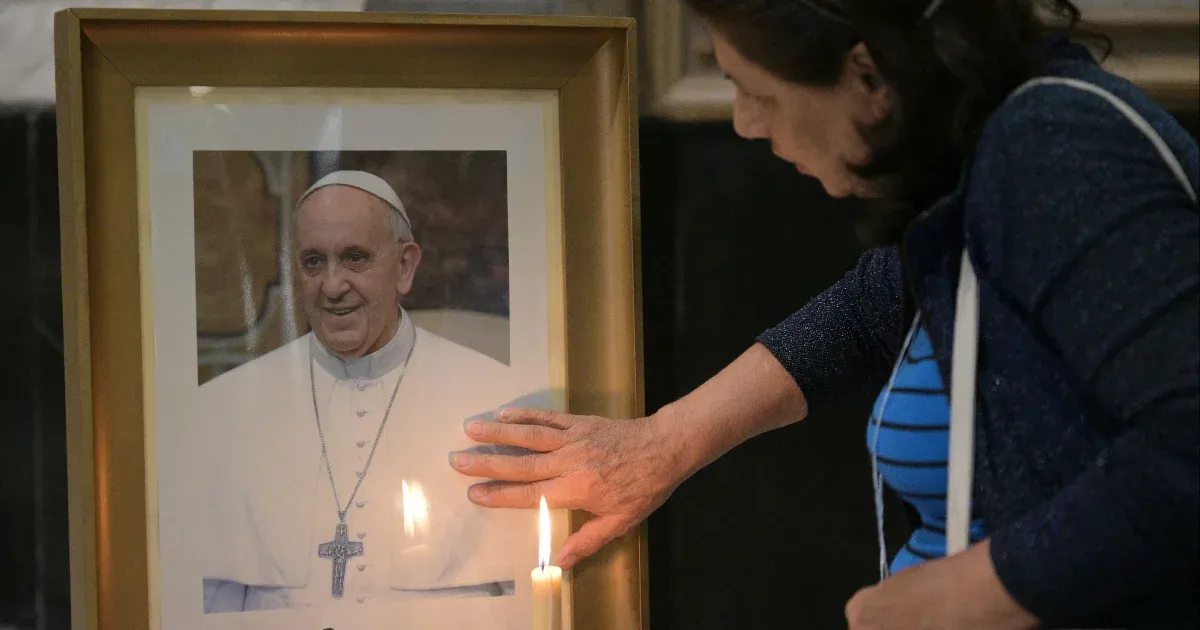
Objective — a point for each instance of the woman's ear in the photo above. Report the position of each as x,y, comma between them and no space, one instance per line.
861,69
861,74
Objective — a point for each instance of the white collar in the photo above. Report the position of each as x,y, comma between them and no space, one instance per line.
371,366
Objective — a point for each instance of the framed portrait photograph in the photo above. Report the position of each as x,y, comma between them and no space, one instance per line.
301,250
1154,45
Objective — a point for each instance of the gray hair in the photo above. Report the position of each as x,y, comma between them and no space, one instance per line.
401,230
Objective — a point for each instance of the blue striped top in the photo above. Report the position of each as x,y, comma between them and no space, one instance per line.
913,449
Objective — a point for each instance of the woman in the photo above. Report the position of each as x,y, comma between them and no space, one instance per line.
1083,239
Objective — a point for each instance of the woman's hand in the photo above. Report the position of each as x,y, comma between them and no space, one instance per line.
619,470
962,591
622,470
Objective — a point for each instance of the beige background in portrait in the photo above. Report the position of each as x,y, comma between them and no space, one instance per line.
173,123
246,291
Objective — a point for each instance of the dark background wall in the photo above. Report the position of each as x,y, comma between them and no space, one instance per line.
34,585
781,531
777,534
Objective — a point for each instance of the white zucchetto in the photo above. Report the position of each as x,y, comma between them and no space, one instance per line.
363,181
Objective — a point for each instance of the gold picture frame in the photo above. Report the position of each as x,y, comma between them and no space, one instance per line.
1153,47
105,56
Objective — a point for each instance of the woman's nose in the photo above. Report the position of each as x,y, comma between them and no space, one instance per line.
747,122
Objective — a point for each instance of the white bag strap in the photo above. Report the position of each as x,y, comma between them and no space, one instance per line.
966,342
961,462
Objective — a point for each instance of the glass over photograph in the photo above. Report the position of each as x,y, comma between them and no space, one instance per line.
337,289
354,298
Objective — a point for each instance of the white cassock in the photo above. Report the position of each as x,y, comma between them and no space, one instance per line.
271,497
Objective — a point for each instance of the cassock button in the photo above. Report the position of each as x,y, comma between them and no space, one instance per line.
361,504
361,412
362,567
361,443
362,535
361,598
362,386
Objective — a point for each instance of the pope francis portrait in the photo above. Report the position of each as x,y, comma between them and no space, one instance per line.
332,485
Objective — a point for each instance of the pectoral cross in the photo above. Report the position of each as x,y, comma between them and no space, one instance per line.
340,550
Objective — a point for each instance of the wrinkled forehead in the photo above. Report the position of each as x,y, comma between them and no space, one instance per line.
342,211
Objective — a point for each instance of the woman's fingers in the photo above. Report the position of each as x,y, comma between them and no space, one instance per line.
619,470
500,494
521,468
528,436
544,417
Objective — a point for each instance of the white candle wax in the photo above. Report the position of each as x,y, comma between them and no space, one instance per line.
546,579
547,598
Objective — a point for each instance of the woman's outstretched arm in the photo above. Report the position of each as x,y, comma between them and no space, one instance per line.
622,470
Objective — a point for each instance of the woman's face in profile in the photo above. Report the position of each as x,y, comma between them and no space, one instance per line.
815,128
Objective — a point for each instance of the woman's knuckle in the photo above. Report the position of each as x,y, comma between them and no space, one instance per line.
488,431
591,482
524,464
596,451
551,440
522,433
531,492
580,457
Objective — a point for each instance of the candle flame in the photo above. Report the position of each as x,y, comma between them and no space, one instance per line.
543,535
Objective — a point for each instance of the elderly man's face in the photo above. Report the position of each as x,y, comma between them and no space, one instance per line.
353,273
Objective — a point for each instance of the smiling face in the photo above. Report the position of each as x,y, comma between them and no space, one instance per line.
353,271
815,128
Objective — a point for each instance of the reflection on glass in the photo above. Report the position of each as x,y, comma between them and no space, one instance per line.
415,507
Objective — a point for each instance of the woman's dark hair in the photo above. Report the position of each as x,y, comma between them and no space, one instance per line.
947,74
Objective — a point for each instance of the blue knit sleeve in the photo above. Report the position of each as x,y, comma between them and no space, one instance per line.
849,334
1094,239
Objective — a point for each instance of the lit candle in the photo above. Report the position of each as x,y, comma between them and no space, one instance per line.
547,580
